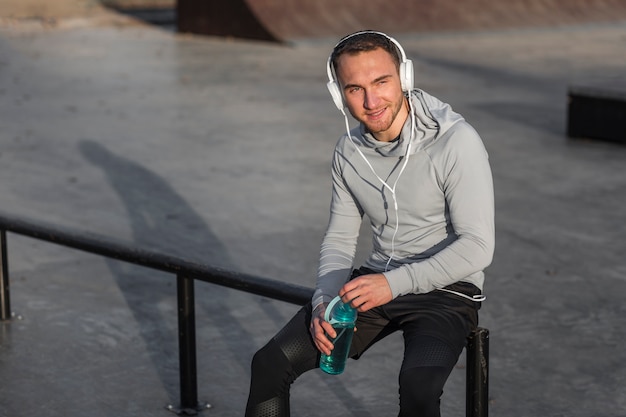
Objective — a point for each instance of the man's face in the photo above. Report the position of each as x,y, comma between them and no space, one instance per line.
372,92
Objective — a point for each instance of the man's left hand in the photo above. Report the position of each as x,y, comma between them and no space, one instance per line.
366,292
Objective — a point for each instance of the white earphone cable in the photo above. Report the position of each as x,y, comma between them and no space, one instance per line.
392,189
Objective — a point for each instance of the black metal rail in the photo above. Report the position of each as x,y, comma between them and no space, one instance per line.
186,273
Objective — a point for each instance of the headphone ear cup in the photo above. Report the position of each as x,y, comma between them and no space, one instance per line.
335,93
406,75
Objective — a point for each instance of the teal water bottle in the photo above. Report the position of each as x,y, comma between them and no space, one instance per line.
343,318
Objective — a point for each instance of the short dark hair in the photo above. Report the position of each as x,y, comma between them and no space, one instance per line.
364,42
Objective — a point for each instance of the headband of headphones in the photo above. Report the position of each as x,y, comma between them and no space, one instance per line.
405,70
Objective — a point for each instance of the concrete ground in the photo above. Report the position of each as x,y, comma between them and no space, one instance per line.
218,150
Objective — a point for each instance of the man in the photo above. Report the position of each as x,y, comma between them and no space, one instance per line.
420,173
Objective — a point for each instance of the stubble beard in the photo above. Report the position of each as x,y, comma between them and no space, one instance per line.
384,125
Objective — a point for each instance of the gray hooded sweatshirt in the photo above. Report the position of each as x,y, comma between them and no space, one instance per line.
436,227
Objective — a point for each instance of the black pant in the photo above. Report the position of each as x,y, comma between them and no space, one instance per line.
435,327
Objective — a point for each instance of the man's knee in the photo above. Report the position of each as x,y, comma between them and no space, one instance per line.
270,380
269,362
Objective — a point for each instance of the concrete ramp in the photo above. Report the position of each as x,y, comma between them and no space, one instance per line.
285,20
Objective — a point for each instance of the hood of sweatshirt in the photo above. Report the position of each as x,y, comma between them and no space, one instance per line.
431,119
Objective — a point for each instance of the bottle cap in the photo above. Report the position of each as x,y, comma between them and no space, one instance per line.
345,311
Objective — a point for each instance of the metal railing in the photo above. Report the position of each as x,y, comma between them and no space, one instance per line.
186,273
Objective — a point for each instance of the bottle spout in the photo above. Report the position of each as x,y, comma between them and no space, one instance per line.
337,308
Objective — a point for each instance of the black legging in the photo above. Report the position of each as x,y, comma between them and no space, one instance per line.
435,328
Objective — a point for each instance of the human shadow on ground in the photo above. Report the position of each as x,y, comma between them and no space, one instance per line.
162,221
160,218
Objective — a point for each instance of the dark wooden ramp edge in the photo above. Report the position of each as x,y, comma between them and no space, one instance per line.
285,20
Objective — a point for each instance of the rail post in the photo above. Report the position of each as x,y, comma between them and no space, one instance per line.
5,299
187,348
477,394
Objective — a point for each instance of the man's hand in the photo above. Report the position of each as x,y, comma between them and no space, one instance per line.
366,292
320,328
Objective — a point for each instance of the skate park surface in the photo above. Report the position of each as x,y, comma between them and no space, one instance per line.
218,150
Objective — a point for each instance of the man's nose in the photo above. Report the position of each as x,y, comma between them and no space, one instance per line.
370,100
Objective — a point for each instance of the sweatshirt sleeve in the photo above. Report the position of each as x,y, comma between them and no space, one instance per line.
465,177
340,240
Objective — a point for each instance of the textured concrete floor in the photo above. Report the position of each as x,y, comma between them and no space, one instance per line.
218,151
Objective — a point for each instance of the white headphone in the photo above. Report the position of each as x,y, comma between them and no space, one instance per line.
405,70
